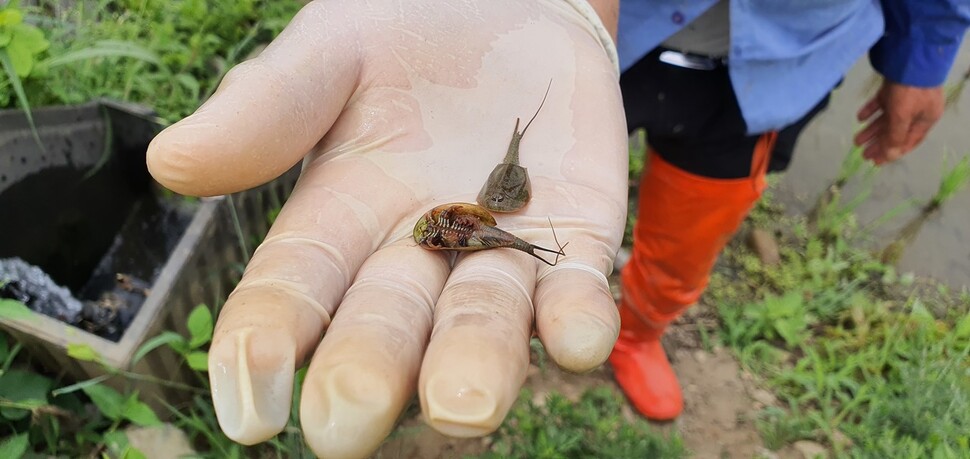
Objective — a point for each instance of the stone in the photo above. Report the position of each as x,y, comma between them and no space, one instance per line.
163,441
765,453
627,413
811,449
764,397
765,246
700,356
539,398
841,440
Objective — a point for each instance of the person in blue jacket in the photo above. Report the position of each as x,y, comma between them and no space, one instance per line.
723,89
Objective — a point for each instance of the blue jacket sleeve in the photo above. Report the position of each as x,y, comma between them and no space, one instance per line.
921,40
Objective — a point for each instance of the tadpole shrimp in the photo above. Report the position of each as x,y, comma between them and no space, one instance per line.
468,227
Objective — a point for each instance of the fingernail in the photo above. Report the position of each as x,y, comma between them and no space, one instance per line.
348,411
251,386
582,344
456,406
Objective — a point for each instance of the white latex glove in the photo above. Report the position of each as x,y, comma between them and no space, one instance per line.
396,107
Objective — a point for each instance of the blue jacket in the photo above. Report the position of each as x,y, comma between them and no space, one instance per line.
786,55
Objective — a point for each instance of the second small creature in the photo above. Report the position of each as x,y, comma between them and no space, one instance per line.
508,187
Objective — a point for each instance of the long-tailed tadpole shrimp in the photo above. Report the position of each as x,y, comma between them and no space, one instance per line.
468,227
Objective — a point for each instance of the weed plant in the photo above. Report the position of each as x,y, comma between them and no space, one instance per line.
953,180
168,55
869,362
592,427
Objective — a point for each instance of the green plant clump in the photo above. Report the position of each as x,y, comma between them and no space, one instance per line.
36,420
168,55
592,427
868,362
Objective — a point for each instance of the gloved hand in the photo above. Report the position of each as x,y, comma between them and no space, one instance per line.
396,107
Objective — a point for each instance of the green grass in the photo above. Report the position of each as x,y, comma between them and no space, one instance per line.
954,179
169,55
851,349
592,427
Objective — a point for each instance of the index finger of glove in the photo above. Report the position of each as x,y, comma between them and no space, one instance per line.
268,112
292,287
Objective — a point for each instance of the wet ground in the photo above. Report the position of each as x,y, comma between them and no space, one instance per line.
942,248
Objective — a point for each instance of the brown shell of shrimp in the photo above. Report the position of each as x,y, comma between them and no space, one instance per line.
468,227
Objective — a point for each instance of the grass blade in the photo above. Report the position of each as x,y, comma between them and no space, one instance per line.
105,48
79,386
952,182
108,145
18,89
173,339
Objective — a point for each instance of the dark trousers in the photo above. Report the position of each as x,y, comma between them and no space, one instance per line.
693,120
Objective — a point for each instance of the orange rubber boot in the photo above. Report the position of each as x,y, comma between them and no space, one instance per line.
684,221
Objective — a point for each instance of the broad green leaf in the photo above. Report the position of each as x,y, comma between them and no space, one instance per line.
28,404
198,361
11,17
132,453
5,36
14,310
20,57
14,447
31,37
83,352
200,326
18,89
139,413
172,339
108,400
22,386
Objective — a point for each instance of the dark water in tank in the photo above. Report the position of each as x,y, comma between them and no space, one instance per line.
104,238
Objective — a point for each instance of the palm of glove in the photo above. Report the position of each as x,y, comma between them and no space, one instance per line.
403,107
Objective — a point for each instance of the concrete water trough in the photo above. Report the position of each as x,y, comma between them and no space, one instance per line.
105,256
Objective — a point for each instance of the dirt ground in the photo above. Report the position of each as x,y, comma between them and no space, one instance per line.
720,403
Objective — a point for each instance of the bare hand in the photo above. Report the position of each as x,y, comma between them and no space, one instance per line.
899,117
